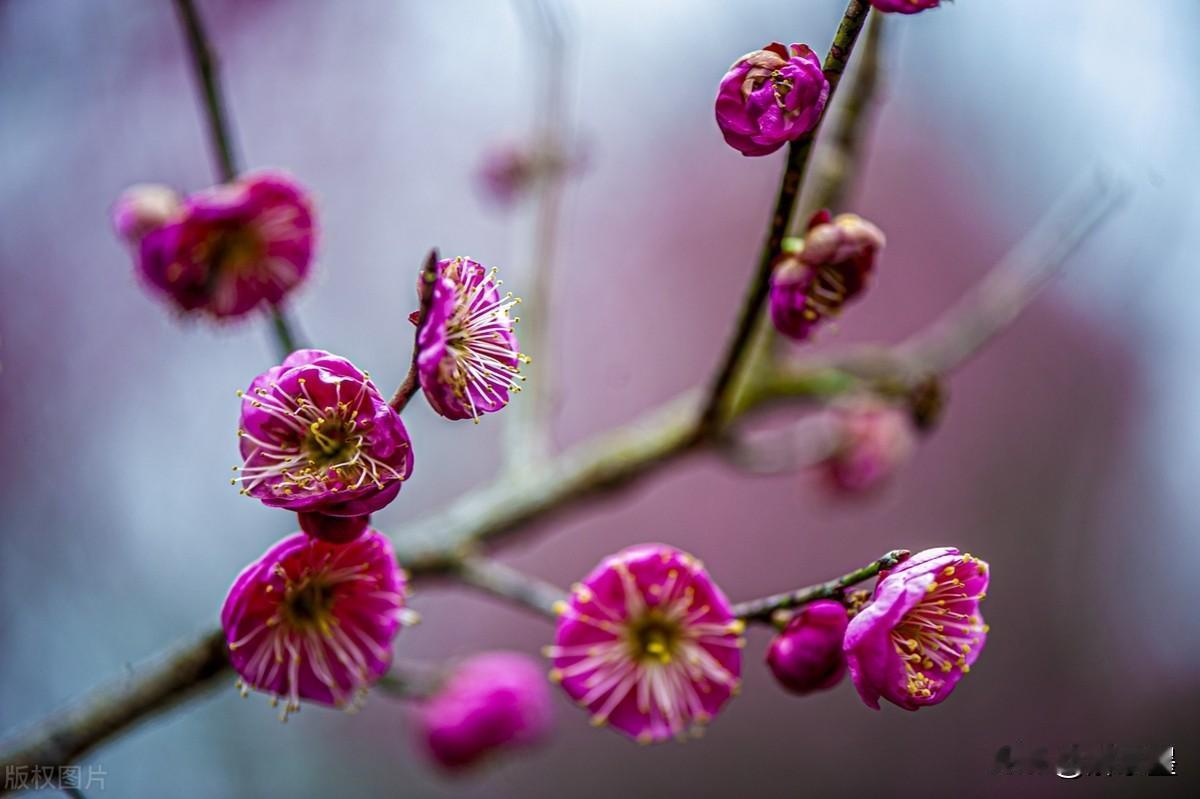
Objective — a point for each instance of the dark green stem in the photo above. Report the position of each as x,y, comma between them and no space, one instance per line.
785,204
761,610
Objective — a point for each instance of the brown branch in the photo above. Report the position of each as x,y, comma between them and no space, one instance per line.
785,205
412,382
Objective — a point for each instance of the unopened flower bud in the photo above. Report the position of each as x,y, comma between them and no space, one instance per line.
873,439
904,6
491,702
807,655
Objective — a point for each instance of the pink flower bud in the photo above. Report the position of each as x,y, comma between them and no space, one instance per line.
828,268
904,6
921,632
807,655
143,208
491,702
334,529
770,97
874,439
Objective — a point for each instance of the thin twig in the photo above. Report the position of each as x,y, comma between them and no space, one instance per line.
505,582
761,610
785,205
412,382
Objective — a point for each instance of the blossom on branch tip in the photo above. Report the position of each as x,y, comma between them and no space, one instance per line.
920,632
872,439
826,269
318,438
491,702
905,6
314,621
807,656
467,355
649,644
222,251
770,97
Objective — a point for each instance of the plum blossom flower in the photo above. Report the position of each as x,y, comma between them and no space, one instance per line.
807,656
770,97
905,6
826,269
222,251
873,439
468,359
509,172
319,439
921,631
315,621
649,644
491,702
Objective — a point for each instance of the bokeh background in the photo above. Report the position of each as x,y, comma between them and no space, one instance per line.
1068,457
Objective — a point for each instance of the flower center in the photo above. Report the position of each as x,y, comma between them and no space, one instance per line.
654,638
937,635
236,250
827,294
330,441
308,605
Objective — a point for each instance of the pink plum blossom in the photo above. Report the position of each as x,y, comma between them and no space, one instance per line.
319,439
468,359
490,702
807,656
648,644
873,439
826,269
905,6
770,97
315,621
921,631
222,251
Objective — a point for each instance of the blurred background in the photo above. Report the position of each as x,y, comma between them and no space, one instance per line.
1067,458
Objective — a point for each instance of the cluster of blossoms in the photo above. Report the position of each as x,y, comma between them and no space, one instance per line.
650,646
646,643
223,251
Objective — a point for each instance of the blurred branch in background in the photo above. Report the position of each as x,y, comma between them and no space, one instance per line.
527,428
447,544
205,67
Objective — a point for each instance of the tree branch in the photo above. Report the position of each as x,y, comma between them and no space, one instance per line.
761,610
785,204
504,582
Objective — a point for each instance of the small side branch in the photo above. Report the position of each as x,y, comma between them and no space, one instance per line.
761,610
504,582
412,380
